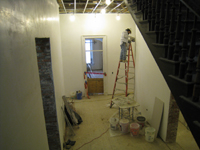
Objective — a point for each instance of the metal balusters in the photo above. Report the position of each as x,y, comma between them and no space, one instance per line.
177,36
184,49
191,53
149,14
163,21
158,14
196,90
153,15
166,30
172,33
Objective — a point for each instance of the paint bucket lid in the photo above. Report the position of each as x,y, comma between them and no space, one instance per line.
114,120
134,125
141,118
124,121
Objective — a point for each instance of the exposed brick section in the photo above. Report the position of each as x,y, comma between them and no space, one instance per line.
47,90
172,120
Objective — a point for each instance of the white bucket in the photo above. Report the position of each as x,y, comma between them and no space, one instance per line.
149,134
124,124
73,95
114,123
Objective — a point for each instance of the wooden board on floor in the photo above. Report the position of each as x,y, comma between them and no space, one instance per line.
157,115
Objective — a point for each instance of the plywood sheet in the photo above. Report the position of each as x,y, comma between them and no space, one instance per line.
95,85
157,114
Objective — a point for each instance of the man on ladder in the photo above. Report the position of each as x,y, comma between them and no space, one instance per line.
124,44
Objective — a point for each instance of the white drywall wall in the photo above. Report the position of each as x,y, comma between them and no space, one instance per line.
84,24
22,124
150,83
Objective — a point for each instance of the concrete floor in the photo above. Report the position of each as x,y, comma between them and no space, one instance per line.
95,115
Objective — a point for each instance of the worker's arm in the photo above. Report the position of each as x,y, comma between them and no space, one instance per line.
132,39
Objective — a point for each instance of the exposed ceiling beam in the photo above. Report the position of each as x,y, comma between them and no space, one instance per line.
63,6
96,6
78,3
122,9
109,4
116,7
85,6
80,9
74,6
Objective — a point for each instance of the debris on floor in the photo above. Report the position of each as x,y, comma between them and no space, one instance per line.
129,122
69,144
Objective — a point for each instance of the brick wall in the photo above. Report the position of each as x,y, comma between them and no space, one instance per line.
172,120
47,90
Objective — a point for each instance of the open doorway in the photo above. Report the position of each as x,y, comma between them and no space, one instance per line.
94,53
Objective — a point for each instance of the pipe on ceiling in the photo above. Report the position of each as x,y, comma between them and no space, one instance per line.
109,4
96,6
85,6
116,7
63,6
74,6
122,9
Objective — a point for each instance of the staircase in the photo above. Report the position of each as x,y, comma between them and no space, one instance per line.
171,29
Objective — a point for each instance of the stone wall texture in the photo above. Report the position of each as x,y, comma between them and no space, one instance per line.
173,119
47,90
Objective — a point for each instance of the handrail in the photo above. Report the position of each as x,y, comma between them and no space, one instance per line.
192,5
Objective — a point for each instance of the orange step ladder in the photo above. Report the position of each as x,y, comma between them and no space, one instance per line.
127,72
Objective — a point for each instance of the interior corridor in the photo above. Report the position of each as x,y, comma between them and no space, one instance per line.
95,114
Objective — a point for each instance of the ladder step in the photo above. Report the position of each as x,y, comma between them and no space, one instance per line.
130,78
131,72
122,69
120,96
120,82
120,90
121,76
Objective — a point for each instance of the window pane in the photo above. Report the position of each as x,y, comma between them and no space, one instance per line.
88,60
87,45
97,44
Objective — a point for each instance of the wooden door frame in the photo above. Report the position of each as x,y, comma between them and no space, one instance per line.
105,67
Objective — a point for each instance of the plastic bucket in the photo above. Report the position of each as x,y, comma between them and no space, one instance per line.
134,129
149,134
114,123
124,124
73,95
79,95
141,120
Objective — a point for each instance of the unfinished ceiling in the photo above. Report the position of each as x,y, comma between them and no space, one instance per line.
91,6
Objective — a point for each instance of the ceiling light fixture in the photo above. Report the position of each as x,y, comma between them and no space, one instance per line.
103,11
72,17
118,17
108,2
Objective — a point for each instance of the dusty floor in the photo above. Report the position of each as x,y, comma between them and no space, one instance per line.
95,115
